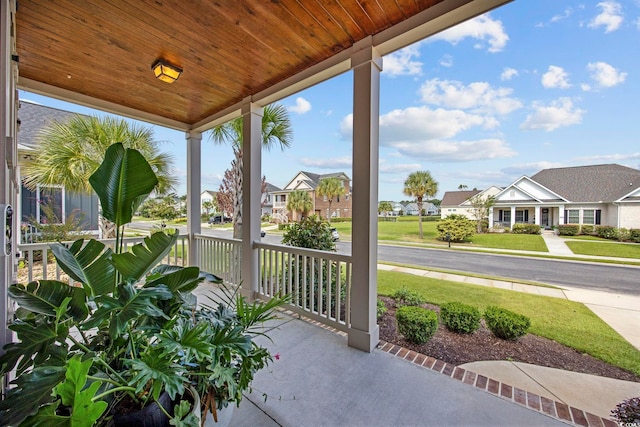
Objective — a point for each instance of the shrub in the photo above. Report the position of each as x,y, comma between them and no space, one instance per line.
283,227
568,229
461,318
458,227
607,232
506,324
586,229
634,235
312,233
381,309
404,296
525,229
416,324
628,411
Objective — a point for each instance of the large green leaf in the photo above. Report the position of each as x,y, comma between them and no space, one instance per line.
46,296
144,256
122,182
32,390
89,264
158,372
35,338
181,280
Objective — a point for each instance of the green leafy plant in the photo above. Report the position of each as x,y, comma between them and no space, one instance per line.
312,232
135,324
405,296
461,318
458,228
417,324
506,324
381,308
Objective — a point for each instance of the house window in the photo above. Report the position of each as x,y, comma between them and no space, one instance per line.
591,216
504,216
522,216
49,209
572,216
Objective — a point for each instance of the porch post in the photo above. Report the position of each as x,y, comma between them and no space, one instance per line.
367,64
536,210
561,219
194,208
513,216
251,194
490,225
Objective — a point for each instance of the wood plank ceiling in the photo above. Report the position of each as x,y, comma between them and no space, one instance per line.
228,49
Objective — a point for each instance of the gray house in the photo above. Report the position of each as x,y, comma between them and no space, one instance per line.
593,195
32,118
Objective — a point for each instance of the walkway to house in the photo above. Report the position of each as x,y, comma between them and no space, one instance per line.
556,244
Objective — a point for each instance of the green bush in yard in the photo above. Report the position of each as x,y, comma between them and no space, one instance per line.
568,229
416,324
634,235
525,229
586,229
381,309
404,296
506,324
458,227
607,232
460,318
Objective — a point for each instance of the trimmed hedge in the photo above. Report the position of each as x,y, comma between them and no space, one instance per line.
525,229
416,324
404,296
607,232
587,229
459,317
506,324
568,229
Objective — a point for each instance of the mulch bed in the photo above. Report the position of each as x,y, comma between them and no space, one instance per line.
458,349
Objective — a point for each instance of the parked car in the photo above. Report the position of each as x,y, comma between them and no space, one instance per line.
219,219
335,234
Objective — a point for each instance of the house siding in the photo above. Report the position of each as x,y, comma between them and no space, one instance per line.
630,215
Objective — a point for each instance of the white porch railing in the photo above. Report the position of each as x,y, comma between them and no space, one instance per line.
319,282
37,261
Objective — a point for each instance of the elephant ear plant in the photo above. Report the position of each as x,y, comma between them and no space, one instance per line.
128,330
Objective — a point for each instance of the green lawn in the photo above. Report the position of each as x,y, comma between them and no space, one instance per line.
524,242
605,248
567,322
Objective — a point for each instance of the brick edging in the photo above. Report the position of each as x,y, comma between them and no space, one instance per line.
552,408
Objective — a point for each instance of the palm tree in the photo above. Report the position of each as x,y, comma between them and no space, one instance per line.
70,151
420,184
462,187
330,188
299,201
276,129
385,207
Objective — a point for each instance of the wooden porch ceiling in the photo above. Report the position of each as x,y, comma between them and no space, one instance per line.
99,52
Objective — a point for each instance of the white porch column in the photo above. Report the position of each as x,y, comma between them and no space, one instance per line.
536,210
490,225
251,194
8,157
366,64
194,208
513,216
560,214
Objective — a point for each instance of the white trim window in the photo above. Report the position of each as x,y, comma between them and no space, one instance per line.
53,198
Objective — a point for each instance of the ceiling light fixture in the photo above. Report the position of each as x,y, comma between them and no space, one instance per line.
165,71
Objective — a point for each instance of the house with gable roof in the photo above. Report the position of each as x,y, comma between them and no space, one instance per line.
459,202
606,194
309,181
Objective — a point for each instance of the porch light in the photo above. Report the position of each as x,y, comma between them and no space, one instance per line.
165,71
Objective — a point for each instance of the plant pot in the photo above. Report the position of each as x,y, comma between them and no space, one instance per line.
149,416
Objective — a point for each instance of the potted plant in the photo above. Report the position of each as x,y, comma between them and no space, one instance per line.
129,332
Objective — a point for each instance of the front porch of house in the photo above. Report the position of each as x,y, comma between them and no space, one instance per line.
546,216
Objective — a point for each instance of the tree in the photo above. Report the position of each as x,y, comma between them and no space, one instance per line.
420,184
299,201
70,151
462,187
209,206
225,196
276,129
330,188
384,208
480,208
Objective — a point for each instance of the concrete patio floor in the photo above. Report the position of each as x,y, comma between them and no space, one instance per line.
320,381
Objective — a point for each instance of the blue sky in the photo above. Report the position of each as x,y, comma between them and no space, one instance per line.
531,85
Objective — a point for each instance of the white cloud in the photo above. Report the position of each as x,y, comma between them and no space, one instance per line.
607,158
557,114
456,151
482,28
567,13
302,106
398,168
605,75
402,62
476,96
508,73
330,163
610,17
447,61
555,77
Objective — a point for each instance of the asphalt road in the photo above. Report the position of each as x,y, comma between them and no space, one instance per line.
594,276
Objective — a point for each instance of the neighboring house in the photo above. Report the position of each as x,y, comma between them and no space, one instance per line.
308,181
207,196
267,199
32,118
458,202
398,209
595,195
427,207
